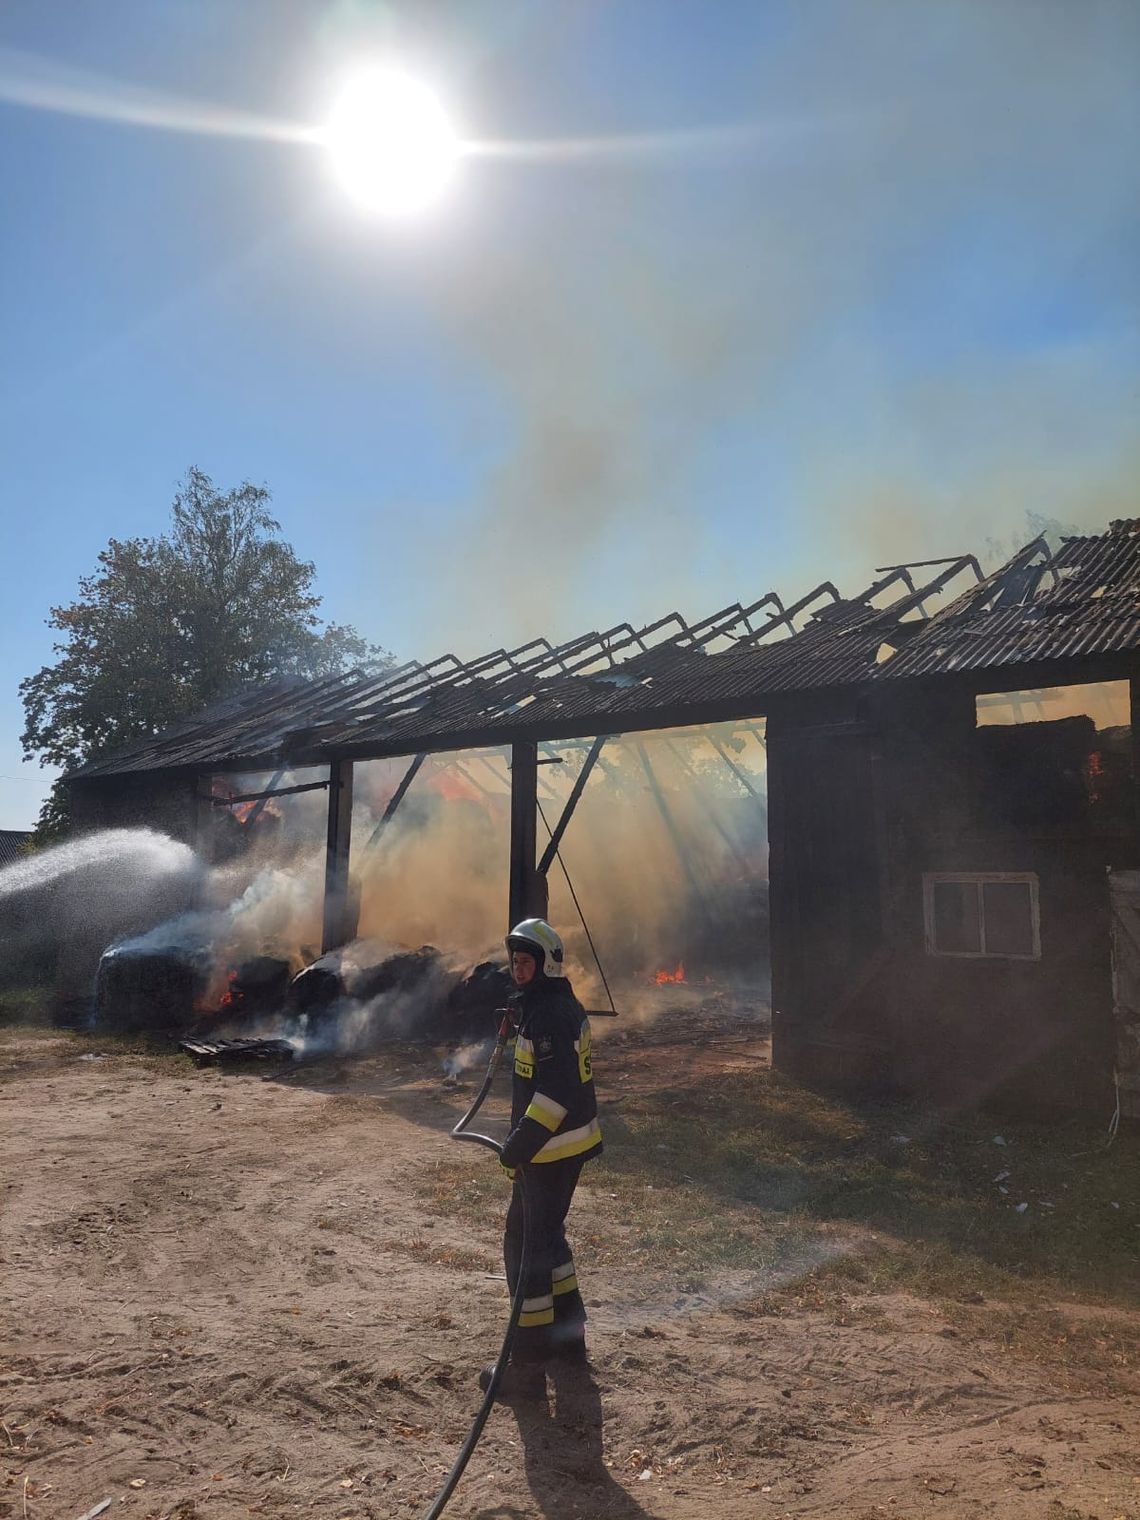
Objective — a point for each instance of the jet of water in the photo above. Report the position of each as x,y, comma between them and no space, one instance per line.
115,857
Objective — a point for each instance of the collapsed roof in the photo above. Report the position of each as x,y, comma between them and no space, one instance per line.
1080,604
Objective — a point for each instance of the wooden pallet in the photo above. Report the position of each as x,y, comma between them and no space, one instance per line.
209,1052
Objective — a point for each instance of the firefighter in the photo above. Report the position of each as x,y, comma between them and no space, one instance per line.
554,1131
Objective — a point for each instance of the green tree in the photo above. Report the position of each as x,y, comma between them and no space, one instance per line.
167,625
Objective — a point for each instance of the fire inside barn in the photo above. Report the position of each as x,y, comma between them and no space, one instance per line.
953,831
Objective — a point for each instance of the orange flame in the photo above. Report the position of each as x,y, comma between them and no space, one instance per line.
667,978
229,997
454,788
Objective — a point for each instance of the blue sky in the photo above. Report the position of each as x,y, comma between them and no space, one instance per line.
893,313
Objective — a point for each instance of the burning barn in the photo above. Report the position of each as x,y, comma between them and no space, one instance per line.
950,873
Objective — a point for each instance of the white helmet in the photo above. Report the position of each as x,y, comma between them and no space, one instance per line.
537,938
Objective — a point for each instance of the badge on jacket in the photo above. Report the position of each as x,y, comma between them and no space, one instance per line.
545,1045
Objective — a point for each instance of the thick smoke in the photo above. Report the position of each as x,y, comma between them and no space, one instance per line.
437,874
667,851
889,334
358,1019
252,909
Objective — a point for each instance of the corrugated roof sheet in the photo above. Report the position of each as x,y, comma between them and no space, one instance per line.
12,842
1083,601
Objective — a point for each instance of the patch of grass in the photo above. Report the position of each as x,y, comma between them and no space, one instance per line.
922,1189
32,1048
1098,1344
465,1187
25,1006
761,1175
439,1254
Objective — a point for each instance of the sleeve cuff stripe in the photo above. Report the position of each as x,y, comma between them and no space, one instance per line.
546,1112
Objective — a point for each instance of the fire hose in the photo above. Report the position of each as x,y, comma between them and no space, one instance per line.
461,1132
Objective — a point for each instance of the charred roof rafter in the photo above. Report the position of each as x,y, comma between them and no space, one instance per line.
1083,601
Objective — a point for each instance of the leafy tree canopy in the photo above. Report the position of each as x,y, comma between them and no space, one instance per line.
167,625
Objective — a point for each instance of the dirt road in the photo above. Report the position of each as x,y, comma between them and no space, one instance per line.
229,1296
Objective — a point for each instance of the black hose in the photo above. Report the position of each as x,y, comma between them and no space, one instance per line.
460,1132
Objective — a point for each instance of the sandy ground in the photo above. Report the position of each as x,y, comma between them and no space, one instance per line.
228,1296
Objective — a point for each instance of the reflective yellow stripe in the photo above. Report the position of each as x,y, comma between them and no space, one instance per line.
565,1270
524,1056
537,1311
538,1317
571,1142
548,1113
582,1048
566,1285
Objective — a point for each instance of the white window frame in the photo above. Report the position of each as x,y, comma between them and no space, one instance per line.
978,879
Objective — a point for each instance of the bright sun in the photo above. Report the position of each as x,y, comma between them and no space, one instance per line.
393,148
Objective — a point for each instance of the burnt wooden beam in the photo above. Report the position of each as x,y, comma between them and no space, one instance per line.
1064,670
278,791
571,803
394,802
337,928
527,890
256,812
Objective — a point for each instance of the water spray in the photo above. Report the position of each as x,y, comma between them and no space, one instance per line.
461,1132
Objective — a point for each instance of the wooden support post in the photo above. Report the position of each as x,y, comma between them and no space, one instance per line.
1134,716
783,905
338,927
528,893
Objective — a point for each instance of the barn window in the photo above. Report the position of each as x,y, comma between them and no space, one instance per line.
982,914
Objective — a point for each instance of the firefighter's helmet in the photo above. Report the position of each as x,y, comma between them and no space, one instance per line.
535,937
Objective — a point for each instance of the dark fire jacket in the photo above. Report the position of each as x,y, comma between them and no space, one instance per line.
554,1110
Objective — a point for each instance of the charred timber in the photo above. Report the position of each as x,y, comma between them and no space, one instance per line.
338,927
278,791
548,855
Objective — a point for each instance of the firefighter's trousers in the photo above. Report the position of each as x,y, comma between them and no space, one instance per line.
553,1317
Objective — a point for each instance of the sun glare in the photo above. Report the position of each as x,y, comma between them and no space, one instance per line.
392,146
